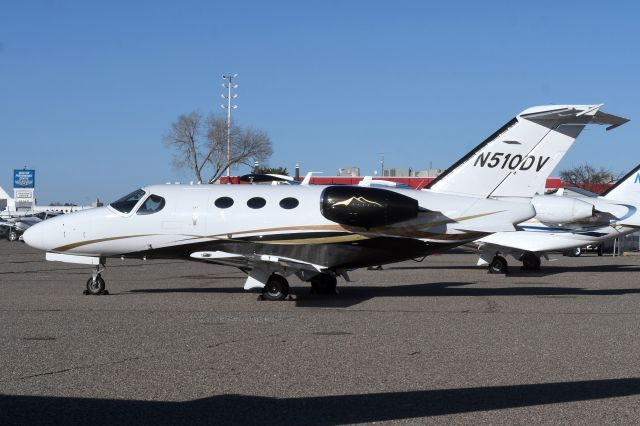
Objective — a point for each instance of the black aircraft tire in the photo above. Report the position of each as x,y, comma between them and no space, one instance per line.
537,263
324,284
276,288
530,262
96,287
498,265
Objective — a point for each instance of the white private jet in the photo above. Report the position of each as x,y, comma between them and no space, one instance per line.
270,232
506,167
617,215
315,232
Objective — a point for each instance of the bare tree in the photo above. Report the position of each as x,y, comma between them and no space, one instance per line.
587,174
264,170
185,138
201,145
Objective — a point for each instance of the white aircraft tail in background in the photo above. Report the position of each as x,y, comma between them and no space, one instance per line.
626,189
8,207
517,159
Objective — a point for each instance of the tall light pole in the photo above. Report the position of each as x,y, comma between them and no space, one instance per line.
229,86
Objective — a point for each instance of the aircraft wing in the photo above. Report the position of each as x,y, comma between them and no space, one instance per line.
533,241
261,265
249,262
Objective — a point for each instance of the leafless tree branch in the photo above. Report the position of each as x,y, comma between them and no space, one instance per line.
201,144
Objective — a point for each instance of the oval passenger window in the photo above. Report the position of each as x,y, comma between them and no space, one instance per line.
224,202
289,203
256,202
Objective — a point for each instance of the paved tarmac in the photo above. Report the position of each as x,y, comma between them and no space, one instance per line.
437,342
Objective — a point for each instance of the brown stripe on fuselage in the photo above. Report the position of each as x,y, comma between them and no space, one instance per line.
99,240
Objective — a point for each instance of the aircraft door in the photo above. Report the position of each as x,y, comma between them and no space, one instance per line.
193,219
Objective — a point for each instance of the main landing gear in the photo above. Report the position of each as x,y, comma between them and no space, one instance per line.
95,284
530,262
276,288
324,284
498,265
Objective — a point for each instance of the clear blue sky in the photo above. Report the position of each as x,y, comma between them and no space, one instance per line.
88,88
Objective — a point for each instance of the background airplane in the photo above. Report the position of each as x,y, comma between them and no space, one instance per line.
10,210
616,215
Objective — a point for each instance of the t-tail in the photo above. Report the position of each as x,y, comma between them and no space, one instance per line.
517,159
626,189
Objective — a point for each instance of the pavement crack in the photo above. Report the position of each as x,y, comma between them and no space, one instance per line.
81,367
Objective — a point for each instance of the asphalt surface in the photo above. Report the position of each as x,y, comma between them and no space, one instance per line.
436,342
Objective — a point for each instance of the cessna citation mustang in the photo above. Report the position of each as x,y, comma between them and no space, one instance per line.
271,232
320,232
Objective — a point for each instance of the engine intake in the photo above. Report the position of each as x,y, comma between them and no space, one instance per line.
366,207
556,209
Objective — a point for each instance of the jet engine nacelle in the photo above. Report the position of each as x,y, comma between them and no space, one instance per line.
556,209
366,207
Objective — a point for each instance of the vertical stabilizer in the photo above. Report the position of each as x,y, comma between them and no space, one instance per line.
626,189
6,202
518,158
4,195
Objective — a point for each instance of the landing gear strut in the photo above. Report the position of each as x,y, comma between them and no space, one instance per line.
95,284
498,265
276,288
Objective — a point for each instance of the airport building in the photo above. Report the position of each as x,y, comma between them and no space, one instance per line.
23,192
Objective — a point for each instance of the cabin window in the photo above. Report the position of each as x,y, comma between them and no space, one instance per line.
128,202
256,202
224,202
289,203
153,204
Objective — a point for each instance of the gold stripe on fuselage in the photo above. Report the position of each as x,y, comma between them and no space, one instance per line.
99,240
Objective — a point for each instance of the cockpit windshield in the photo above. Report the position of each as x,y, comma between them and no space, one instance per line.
128,202
153,204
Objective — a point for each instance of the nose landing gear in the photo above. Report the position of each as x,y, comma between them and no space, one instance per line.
95,284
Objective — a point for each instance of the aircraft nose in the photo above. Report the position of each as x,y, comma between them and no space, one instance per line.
37,236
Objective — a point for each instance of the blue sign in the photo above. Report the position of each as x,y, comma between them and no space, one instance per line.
24,178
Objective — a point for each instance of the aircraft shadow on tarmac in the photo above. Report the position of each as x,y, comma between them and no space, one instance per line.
317,410
354,294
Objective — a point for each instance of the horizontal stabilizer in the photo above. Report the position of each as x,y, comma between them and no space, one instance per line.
519,157
575,114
